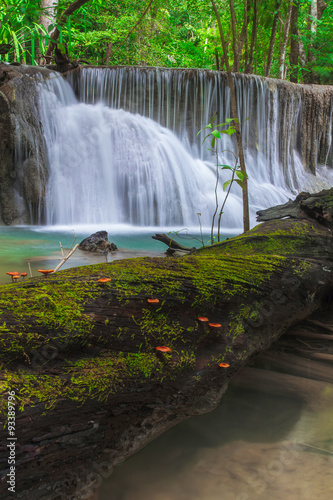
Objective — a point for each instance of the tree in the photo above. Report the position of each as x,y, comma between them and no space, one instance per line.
294,42
282,55
246,215
272,39
55,34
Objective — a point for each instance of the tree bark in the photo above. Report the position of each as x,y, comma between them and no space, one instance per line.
246,214
48,15
243,34
249,68
284,43
171,243
46,18
272,39
314,16
294,43
108,53
234,30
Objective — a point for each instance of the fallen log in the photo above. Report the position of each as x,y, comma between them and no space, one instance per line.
79,356
172,244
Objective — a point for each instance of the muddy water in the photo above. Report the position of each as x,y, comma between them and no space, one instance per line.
261,443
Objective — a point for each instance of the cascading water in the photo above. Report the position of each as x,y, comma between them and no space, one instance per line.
127,150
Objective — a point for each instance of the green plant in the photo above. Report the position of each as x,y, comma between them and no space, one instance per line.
237,175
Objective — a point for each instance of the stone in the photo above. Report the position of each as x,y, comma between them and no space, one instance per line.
98,242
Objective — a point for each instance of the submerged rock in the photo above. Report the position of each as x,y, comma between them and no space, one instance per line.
98,242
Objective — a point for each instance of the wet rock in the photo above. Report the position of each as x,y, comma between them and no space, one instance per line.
23,165
98,242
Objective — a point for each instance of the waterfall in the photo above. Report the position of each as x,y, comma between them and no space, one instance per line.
122,146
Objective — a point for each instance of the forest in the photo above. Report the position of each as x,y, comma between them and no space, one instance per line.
285,39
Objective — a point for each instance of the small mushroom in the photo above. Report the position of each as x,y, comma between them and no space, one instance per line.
15,277
104,280
24,275
202,319
163,349
12,274
153,301
224,365
45,271
214,325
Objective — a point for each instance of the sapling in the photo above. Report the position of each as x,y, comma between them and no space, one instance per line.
237,176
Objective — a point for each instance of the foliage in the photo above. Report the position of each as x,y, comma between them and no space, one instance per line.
237,175
171,34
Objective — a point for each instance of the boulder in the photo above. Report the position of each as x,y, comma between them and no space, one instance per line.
97,242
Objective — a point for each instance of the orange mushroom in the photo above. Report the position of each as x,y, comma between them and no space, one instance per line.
24,275
45,271
202,319
163,348
15,277
12,274
214,325
153,301
224,365
104,280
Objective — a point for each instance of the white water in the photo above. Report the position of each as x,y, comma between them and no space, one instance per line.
111,166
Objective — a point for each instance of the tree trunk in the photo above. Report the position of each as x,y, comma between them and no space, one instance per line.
243,34
246,214
249,68
68,12
234,28
272,40
47,17
108,53
321,6
284,43
314,18
294,43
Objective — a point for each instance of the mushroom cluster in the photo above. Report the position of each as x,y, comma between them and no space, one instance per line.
15,275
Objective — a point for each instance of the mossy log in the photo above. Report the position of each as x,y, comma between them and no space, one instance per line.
90,388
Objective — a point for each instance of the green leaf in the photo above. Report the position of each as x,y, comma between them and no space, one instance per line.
203,140
240,183
208,126
231,130
240,175
213,142
226,184
226,167
216,134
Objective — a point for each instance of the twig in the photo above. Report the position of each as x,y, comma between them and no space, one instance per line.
62,250
66,258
